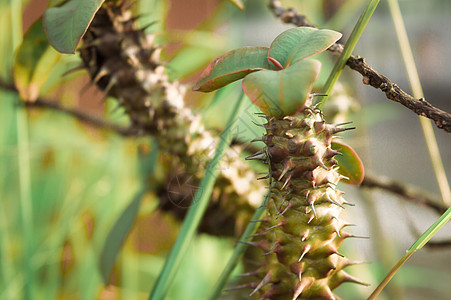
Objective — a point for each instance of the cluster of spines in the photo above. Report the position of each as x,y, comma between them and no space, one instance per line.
123,61
302,231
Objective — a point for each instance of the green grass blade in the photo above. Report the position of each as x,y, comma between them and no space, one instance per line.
25,199
347,51
422,240
417,92
195,212
251,228
430,141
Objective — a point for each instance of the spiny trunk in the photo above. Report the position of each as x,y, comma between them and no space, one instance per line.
302,231
123,61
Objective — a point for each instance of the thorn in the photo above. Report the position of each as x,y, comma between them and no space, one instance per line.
313,209
286,182
281,213
265,280
341,124
338,130
260,139
327,199
272,250
272,227
250,285
284,171
264,177
102,73
321,164
336,230
348,203
304,235
311,218
248,274
257,156
344,177
304,251
261,125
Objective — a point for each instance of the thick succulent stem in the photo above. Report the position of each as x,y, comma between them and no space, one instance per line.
302,230
123,61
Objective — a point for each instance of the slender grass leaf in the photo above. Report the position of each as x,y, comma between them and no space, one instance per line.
65,25
350,164
284,92
302,42
232,66
195,212
34,62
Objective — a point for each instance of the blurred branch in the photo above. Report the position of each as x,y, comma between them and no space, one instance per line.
439,244
405,191
80,115
421,107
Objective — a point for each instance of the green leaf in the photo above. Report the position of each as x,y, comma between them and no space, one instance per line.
350,164
282,93
116,237
232,66
65,25
33,63
302,42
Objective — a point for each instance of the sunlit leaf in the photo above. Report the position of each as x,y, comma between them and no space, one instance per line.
281,93
65,25
302,42
34,62
350,164
232,66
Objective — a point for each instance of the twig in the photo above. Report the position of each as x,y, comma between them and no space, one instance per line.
442,119
407,192
80,115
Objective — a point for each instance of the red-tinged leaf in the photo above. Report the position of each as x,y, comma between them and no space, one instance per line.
350,164
231,67
282,93
65,25
299,43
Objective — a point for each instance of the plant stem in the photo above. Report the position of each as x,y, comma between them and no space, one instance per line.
239,250
417,92
347,51
196,211
25,201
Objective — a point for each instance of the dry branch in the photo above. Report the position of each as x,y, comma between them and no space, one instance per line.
421,107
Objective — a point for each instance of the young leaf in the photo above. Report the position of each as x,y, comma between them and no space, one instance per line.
33,62
65,25
232,66
299,43
282,93
350,164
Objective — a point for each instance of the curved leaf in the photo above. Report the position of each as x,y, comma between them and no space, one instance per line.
34,62
65,25
350,164
299,43
232,66
282,93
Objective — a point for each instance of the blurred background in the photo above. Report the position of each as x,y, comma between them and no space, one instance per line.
64,184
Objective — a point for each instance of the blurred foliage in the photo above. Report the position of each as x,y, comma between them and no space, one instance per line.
88,186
